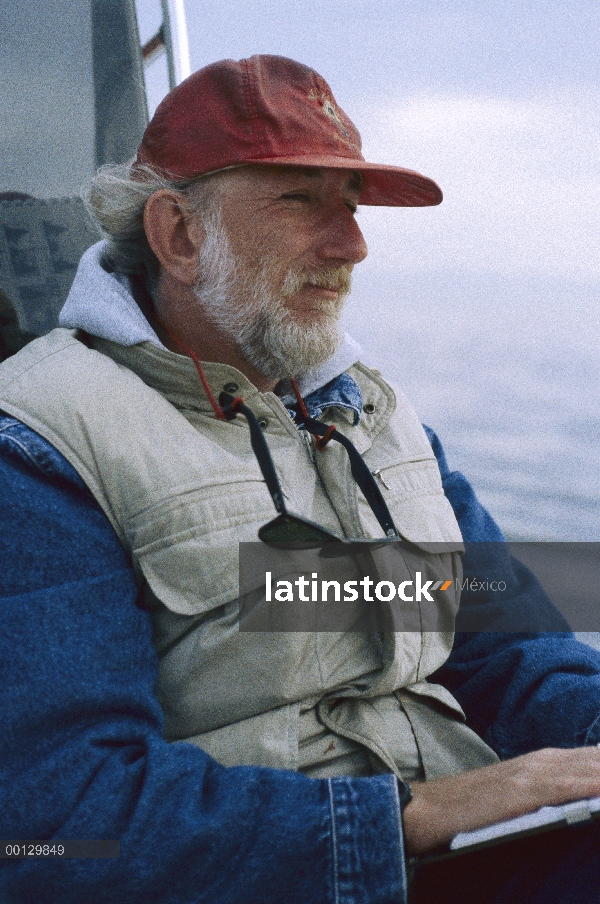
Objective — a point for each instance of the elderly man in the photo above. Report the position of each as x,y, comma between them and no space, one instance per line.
128,485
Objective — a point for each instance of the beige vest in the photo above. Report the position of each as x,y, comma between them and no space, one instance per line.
182,489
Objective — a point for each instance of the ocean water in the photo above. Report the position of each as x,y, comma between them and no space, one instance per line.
508,374
507,371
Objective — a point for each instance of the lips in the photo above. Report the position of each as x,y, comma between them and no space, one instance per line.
329,290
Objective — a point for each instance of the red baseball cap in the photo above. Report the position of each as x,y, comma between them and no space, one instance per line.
267,110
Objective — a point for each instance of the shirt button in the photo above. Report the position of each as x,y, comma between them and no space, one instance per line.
231,388
369,409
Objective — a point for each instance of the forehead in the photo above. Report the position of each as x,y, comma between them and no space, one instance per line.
269,177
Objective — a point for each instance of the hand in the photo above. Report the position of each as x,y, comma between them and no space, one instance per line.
459,803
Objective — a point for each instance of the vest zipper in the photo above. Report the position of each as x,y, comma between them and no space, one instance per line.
306,439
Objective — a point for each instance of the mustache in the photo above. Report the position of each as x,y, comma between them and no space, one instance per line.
338,279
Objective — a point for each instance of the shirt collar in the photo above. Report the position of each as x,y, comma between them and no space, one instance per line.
341,392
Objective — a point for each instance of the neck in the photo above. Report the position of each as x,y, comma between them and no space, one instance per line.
183,327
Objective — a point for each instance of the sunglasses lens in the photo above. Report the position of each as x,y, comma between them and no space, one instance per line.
288,528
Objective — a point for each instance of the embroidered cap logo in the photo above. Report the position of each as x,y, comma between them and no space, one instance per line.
334,116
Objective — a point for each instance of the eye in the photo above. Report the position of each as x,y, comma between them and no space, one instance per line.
295,196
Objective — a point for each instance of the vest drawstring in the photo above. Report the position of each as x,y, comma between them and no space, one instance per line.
218,410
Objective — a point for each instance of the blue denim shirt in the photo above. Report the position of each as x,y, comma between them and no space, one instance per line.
82,753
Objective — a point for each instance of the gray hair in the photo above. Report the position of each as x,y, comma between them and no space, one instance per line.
116,201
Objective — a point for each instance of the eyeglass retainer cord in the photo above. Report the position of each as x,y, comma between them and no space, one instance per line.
359,469
227,409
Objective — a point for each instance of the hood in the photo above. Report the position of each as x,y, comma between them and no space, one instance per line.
101,303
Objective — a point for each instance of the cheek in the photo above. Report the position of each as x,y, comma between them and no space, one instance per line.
280,245
287,238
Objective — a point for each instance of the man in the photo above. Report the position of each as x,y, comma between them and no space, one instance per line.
127,488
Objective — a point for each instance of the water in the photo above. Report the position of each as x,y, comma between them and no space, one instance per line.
507,373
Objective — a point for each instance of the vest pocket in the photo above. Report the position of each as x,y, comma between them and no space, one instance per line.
186,546
421,512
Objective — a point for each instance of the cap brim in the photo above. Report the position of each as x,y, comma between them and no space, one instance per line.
383,186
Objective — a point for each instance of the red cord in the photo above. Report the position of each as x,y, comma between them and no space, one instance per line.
219,413
303,408
322,441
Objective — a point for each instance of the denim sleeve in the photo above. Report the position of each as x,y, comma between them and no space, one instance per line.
519,691
82,754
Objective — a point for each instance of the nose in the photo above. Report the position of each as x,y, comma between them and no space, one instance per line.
341,240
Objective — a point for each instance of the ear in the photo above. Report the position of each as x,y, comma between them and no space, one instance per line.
174,234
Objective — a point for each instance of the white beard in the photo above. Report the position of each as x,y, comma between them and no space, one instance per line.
239,299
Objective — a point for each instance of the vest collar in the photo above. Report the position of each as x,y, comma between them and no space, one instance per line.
176,378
